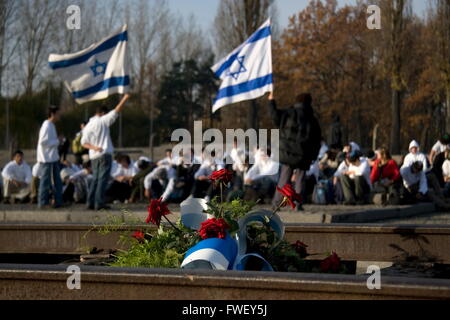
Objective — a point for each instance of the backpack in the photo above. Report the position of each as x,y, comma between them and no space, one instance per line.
76,145
320,193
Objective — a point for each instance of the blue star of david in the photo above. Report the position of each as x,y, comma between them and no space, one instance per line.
241,69
98,68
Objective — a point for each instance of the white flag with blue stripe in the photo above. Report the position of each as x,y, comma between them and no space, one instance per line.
246,73
96,72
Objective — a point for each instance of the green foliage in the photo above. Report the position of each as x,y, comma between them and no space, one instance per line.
262,239
165,249
231,211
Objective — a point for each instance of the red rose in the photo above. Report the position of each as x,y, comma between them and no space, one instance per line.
223,175
157,209
289,196
213,228
332,263
300,248
138,235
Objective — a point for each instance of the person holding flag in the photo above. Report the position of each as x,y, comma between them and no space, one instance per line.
94,74
300,141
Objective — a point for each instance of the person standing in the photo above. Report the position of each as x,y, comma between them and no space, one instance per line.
300,141
48,158
96,137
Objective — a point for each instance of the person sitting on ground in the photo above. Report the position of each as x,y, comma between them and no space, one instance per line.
79,182
66,172
36,175
415,187
355,182
168,160
144,167
446,174
439,147
160,183
385,178
261,179
323,149
238,157
16,179
337,187
371,157
203,187
77,148
439,160
311,179
415,155
187,166
121,187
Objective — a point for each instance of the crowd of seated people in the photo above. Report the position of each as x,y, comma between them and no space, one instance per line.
346,176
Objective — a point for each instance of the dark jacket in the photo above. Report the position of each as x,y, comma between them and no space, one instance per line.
300,135
335,139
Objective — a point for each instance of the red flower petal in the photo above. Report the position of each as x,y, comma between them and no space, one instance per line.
213,228
157,209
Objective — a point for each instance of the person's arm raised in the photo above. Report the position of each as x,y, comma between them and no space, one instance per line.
121,104
273,110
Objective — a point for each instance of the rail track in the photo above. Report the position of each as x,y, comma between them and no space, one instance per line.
352,242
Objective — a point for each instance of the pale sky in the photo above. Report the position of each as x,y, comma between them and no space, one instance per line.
205,10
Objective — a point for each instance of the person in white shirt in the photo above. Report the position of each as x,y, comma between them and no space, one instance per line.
96,137
202,184
415,186
48,157
121,187
168,160
262,177
80,182
446,175
439,147
355,181
160,181
16,179
415,155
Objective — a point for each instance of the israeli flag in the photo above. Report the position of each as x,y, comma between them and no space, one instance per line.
96,72
246,73
218,254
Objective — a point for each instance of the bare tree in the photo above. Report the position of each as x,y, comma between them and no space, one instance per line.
396,14
37,24
237,20
148,24
191,43
442,32
8,39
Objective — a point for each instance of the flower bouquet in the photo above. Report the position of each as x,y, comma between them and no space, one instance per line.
222,236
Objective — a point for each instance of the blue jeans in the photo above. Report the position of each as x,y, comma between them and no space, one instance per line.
101,172
50,173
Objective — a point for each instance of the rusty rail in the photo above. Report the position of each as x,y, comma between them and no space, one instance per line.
351,242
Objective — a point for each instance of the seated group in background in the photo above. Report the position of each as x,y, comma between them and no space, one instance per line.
340,175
